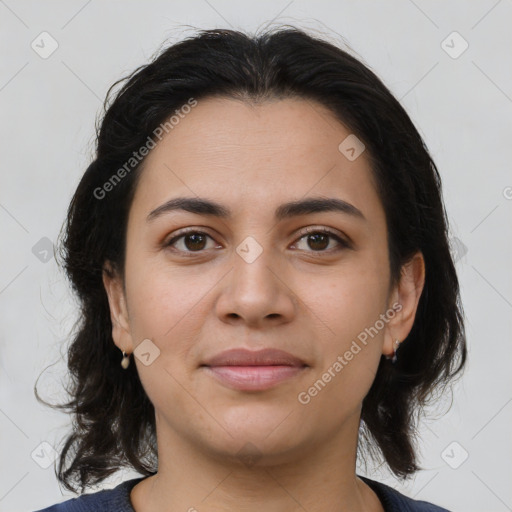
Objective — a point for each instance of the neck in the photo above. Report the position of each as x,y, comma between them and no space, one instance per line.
316,478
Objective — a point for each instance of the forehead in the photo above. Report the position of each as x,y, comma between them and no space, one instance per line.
249,155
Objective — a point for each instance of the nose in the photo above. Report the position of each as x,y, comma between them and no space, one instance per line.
256,292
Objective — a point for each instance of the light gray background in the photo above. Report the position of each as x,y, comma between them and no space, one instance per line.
462,106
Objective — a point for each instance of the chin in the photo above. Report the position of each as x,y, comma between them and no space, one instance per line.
266,433
248,451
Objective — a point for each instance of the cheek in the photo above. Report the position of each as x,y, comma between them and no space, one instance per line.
347,306
347,301
165,307
169,306
162,298
349,355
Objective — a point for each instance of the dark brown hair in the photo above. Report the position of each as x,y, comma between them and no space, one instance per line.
114,423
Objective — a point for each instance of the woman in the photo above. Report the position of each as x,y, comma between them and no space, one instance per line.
260,252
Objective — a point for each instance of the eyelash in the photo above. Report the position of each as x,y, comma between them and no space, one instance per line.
307,231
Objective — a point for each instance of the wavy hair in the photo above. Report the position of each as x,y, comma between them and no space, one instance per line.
113,419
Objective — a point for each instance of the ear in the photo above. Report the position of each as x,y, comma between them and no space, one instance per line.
407,294
118,309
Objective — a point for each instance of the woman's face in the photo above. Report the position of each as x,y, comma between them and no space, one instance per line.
254,279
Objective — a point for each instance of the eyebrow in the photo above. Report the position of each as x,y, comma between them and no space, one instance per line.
306,206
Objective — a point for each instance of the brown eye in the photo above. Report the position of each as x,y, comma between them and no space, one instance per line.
195,241
189,242
319,239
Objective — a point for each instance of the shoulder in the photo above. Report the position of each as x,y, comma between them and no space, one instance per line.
394,501
108,500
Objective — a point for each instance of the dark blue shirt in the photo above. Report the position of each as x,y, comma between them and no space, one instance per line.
118,500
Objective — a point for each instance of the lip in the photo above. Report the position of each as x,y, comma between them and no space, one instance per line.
247,370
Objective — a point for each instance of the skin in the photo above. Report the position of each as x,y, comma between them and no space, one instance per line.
306,300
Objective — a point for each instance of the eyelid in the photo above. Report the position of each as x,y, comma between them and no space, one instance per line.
199,230
343,241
